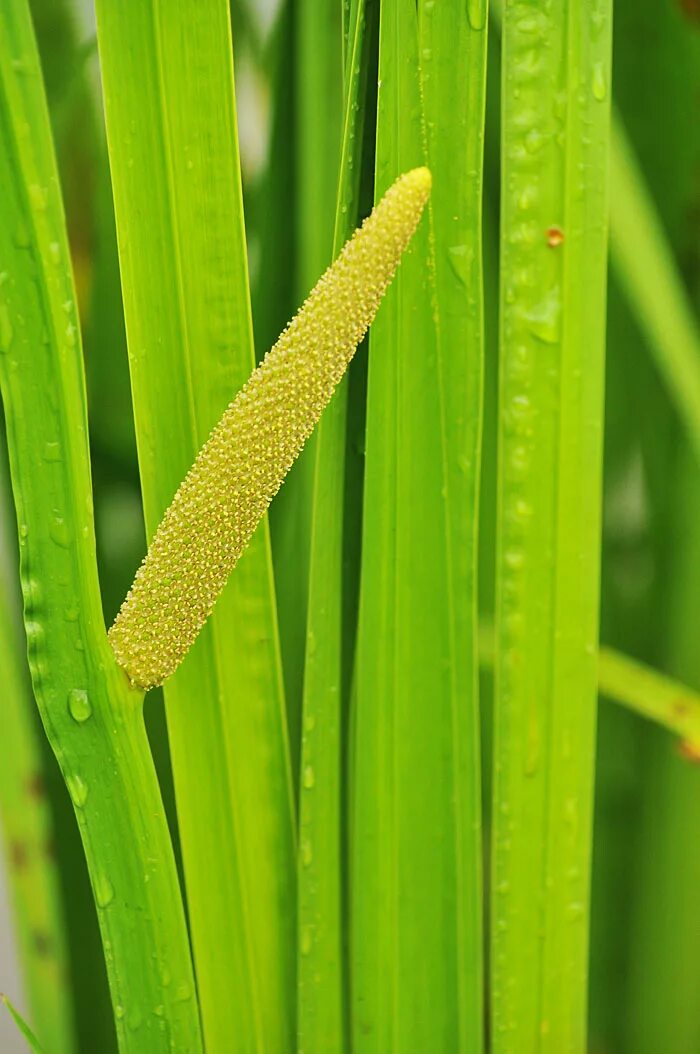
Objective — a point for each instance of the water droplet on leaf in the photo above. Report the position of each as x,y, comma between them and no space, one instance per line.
79,705
78,790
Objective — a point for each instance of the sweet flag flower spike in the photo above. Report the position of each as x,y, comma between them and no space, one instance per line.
242,465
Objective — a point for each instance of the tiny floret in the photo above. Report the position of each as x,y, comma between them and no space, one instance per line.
242,465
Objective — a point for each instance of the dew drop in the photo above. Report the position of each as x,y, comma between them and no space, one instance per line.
78,790
52,452
533,141
134,1020
514,559
599,85
460,259
59,532
309,777
104,891
119,1012
6,331
306,940
79,705
307,853
55,252
38,197
183,992
544,318
476,14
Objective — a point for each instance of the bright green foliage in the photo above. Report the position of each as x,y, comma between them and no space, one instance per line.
334,687
553,267
184,275
318,85
415,875
93,721
449,38
322,979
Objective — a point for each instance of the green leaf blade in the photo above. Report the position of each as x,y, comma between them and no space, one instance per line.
184,271
323,981
103,753
415,849
553,270
32,1041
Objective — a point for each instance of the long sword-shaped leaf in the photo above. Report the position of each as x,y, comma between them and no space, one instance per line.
318,124
322,979
168,83
92,719
453,38
414,874
644,262
25,1030
556,90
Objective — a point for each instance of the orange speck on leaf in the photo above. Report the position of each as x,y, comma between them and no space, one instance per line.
555,237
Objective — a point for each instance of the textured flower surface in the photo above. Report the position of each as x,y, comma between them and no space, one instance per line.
242,465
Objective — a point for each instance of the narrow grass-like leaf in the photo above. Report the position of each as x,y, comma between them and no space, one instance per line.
322,980
22,1025
661,699
454,38
556,85
168,84
318,116
68,60
93,721
27,836
414,878
645,265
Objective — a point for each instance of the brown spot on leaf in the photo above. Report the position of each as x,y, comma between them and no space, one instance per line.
555,237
